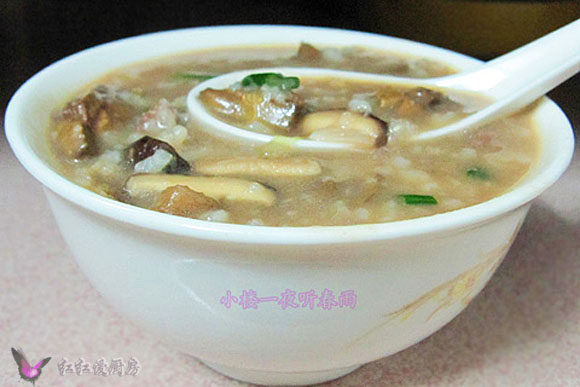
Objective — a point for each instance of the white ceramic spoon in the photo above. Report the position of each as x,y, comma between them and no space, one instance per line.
511,81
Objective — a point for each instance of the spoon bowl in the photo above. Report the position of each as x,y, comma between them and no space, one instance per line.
511,82
217,127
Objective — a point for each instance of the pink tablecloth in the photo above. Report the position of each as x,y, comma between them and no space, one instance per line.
523,329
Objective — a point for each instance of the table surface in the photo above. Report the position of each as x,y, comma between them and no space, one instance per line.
523,329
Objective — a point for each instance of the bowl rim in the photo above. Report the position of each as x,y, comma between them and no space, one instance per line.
455,220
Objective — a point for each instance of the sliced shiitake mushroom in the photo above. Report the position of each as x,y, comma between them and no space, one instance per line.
432,100
231,105
146,147
183,201
243,107
416,101
259,167
344,126
218,188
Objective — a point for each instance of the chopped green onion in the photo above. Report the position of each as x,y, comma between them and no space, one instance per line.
272,80
194,76
418,199
478,173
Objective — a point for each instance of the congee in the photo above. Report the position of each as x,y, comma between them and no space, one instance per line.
128,136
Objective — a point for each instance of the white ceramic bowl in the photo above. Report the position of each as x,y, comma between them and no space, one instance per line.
168,274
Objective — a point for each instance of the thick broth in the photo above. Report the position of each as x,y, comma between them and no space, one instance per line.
390,179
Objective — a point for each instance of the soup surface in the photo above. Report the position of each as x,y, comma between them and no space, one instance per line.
128,136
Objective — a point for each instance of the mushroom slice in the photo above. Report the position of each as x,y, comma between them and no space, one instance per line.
218,188
276,109
432,100
148,149
345,126
183,201
260,167
416,101
234,106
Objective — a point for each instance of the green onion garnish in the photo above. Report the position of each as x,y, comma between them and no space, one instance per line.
414,200
194,76
478,173
272,80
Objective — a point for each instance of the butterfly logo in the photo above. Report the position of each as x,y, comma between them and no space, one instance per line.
28,373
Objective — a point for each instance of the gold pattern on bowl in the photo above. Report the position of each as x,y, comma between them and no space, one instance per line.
462,288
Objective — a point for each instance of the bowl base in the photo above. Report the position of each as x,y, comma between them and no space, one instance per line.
280,378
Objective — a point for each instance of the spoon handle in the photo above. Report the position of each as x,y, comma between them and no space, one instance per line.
516,79
531,70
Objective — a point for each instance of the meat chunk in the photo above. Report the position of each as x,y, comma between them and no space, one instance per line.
280,114
182,201
160,117
78,124
91,110
308,53
74,139
82,121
